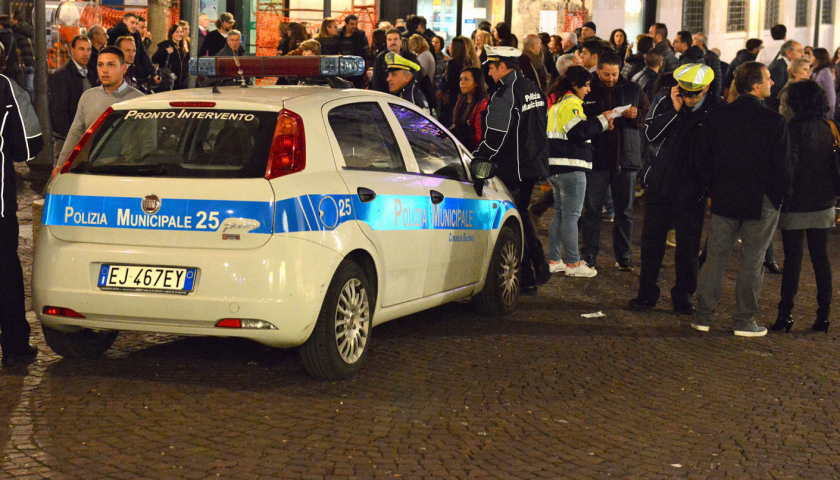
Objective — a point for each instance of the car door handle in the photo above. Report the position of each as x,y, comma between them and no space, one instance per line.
437,197
365,194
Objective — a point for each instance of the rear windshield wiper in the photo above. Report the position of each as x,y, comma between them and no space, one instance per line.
128,170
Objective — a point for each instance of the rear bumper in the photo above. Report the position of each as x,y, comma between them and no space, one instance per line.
282,282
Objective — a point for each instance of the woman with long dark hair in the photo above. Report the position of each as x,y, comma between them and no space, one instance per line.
822,74
172,60
327,37
809,214
618,41
471,102
502,35
461,55
569,157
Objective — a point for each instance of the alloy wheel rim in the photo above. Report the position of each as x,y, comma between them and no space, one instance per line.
352,321
509,274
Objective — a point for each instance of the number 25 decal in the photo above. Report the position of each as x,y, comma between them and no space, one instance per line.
344,208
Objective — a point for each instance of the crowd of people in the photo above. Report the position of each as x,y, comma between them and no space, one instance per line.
596,121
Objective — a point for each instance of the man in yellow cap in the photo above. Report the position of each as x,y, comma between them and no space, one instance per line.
401,80
673,196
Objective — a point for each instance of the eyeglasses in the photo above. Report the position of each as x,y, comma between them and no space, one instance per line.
688,94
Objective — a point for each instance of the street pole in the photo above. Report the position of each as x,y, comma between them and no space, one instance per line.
44,160
195,10
817,24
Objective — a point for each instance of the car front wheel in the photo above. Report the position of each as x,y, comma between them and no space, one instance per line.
500,294
338,345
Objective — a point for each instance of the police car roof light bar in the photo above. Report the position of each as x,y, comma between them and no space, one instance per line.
82,141
297,66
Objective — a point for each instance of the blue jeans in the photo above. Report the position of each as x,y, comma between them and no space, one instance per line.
29,80
623,187
569,189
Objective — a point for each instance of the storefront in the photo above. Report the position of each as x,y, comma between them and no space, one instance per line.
450,18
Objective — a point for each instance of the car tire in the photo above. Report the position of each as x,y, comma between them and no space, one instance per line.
338,346
85,343
500,295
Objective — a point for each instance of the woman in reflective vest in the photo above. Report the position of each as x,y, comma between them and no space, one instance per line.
569,156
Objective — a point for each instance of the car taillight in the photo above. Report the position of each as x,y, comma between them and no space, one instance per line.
88,133
288,150
62,312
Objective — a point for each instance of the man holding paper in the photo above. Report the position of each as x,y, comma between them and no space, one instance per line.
617,159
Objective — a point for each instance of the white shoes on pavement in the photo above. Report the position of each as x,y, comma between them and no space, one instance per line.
582,270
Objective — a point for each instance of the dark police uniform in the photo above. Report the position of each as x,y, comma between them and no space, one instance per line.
674,196
20,140
410,92
515,139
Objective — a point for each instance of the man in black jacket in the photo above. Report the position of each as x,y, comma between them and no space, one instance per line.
710,58
617,159
748,54
7,39
743,158
128,26
24,32
379,78
20,140
353,41
646,79
515,138
673,196
791,50
67,85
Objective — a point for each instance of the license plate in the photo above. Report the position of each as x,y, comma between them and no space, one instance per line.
147,279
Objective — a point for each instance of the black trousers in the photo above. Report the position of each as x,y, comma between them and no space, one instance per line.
662,214
13,325
793,243
533,258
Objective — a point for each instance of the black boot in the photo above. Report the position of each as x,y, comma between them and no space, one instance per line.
783,322
821,325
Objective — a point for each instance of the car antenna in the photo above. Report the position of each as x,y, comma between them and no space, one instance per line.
216,89
240,72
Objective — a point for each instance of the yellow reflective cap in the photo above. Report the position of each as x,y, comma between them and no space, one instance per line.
396,61
693,77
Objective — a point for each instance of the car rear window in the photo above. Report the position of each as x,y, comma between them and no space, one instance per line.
181,143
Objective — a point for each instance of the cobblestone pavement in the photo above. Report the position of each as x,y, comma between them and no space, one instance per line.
545,393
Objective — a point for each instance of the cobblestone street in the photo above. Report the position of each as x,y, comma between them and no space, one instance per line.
545,393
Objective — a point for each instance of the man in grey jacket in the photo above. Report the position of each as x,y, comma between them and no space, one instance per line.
111,68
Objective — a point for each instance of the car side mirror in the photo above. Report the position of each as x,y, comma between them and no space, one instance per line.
482,170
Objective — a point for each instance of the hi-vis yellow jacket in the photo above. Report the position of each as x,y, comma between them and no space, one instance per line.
569,133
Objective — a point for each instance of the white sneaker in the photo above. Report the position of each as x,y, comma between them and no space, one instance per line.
582,270
556,267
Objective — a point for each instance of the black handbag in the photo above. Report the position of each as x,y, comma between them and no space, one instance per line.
835,172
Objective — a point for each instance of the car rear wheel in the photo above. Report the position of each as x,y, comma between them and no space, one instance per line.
338,345
85,343
500,294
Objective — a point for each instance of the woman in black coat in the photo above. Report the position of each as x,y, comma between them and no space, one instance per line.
172,54
809,213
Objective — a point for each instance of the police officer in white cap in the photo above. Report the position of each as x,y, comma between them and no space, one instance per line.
673,196
401,80
515,139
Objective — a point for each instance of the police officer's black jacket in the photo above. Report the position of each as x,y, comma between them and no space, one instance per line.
515,136
743,156
20,138
413,94
620,148
672,135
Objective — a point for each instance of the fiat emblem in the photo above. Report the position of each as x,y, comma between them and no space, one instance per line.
151,204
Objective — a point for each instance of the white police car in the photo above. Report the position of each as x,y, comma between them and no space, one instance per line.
292,216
